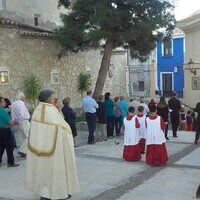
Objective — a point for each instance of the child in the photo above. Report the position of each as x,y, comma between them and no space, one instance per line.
142,130
156,153
189,120
183,124
132,151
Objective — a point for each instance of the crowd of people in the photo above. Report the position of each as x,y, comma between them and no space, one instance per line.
48,140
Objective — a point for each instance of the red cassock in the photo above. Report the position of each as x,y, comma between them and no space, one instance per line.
132,150
156,153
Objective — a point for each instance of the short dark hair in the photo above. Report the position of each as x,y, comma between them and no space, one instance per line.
89,92
140,108
131,109
107,95
116,99
152,108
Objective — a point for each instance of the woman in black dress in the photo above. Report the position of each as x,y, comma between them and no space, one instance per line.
70,117
163,111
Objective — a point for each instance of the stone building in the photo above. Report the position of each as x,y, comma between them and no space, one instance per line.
27,46
191,28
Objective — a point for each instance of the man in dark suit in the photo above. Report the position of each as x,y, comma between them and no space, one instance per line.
197,109
174,108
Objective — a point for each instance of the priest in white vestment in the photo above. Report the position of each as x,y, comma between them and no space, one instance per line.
51,168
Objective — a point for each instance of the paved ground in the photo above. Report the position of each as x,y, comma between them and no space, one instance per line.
104,175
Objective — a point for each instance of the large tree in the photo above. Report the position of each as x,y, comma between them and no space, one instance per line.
115,23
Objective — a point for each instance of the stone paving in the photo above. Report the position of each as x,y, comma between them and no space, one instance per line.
103,174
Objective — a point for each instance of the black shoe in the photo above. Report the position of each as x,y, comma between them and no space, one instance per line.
175,136
13,165
91,142
69,196
195,142
167,138
23,155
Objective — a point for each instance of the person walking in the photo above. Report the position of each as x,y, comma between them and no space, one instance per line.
146,108
6,140
110,115
70,118
163,111
20,114
197,109
156,153
142,129
174,108
89,107
101,134
132,150
124,107
118,116
50,167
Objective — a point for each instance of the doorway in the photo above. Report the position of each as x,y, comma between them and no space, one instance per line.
166,84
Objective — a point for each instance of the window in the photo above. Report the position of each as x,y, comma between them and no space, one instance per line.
4,76
37,19
167,48
141,86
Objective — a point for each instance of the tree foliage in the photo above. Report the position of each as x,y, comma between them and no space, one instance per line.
114,23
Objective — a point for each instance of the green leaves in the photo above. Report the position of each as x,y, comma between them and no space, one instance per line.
90,21
84,82
31,86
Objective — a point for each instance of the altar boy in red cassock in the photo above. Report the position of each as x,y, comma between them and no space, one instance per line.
132,150
156,153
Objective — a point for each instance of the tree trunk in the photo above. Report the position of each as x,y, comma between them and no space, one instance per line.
103,71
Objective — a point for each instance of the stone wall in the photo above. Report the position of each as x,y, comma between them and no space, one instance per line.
22,55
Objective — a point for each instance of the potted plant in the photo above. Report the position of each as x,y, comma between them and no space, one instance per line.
84,82
32,86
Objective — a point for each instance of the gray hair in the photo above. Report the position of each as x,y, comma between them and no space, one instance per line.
19,96
45,95
66,101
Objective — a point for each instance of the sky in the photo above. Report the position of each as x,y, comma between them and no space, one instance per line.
185,8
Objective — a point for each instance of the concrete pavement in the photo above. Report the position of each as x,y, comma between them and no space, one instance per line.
103,174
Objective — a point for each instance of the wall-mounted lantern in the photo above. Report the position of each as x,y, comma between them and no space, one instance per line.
190,63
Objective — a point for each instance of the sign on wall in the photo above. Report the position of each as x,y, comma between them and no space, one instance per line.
195,83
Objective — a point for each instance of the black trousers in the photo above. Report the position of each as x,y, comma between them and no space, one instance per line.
175,120
91,119
118,125
6,142
110,126
197,135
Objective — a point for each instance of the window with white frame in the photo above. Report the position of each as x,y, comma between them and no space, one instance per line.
167,48
4,76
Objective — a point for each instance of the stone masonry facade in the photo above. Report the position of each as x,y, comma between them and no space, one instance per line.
22,54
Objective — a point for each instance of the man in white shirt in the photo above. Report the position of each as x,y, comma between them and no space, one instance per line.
146,108
89,108
20,114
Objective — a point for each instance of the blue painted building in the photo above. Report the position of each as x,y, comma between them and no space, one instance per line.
170,60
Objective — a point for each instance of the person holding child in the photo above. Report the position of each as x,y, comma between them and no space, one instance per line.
156,153
132,151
